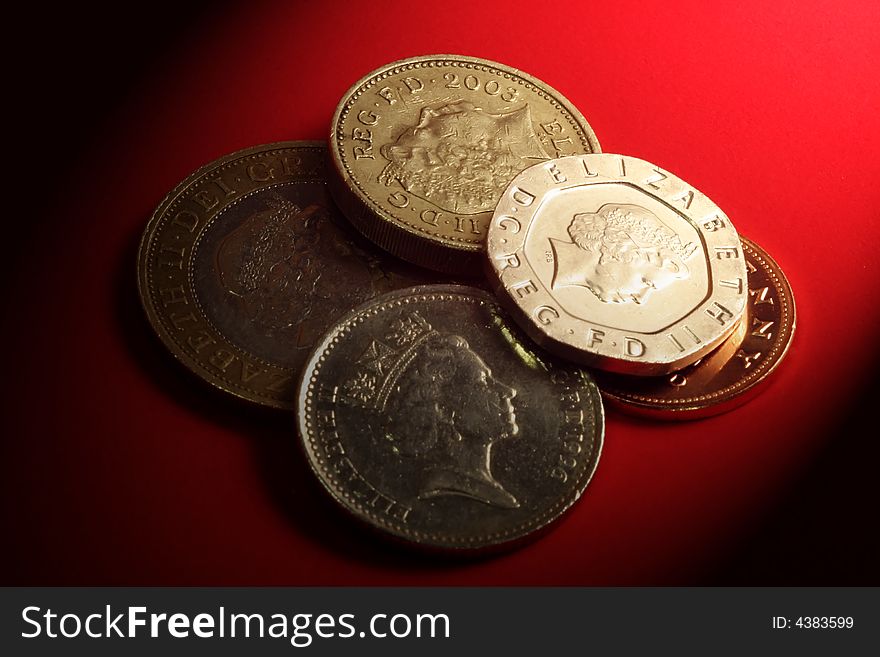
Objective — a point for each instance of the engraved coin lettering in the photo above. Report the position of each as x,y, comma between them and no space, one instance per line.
469,224
522,197
726,252
546,314
761,329
655,178
748,359
556,174
367,117
451,141
398,200
760,295
508,260
641,285
634,347
439,410
508,223
255,262
732,373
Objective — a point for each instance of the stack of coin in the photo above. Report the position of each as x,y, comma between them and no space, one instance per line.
424,408
423,148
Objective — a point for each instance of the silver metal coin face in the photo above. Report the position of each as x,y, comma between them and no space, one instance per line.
733,373
613,262
424,414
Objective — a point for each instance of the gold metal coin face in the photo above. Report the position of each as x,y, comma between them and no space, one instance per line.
613,262
424,147
248,262
424,414
734,372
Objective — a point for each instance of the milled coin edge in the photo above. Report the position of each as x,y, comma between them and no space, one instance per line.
702,406
464,254
193,365
563,349
525,533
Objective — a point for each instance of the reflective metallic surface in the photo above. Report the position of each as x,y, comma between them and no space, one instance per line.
610,261
424,147
733,373
248,262
424,415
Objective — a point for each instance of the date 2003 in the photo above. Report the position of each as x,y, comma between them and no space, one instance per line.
814,623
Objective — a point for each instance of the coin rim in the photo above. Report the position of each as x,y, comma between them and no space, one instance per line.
532,526
148,303
583,356
742,390
418,246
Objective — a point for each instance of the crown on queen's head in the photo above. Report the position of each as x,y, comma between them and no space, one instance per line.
380,365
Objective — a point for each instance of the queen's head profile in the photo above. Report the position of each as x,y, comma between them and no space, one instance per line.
438,408
460,157
621,253
281,269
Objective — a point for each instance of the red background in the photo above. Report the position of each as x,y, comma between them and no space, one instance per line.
120,468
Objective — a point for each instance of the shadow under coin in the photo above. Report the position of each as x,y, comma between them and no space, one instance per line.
271,433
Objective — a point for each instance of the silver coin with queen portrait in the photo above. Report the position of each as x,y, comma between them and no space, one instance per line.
424,414
615,263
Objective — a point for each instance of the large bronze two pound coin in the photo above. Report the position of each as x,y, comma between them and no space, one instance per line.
422,149
424,415
247,262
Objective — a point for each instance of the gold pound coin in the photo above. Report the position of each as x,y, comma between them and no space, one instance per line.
248,262
732,374
423,148
613,262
